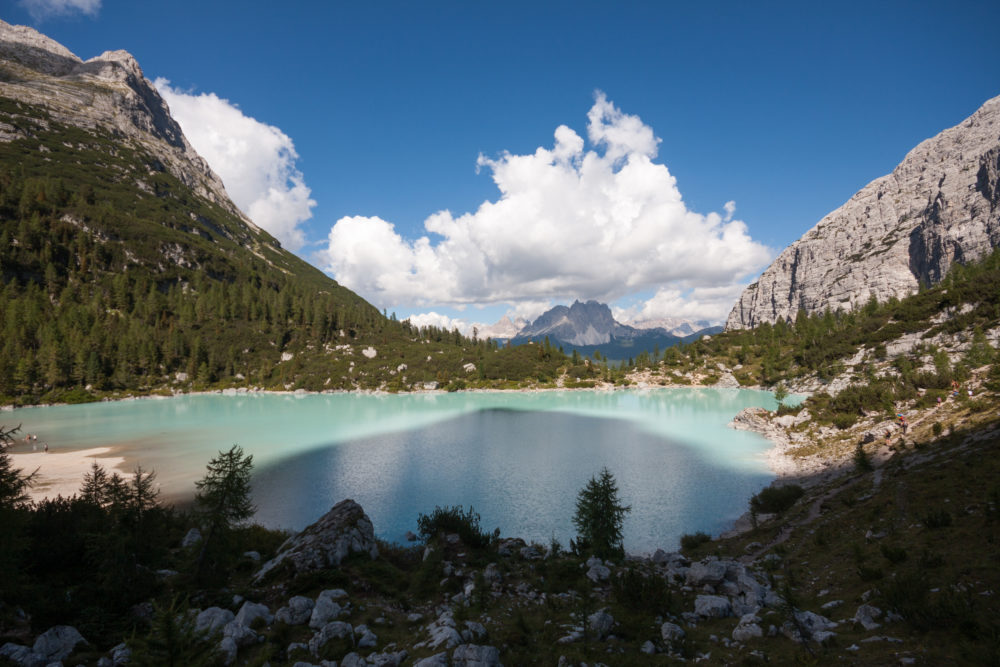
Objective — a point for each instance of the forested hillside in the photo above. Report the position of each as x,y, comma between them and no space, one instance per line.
116,278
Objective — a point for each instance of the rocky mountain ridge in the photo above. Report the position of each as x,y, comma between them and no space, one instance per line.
107,92
940,206
591,327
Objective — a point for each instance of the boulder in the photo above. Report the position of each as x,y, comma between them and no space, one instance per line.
473,630
671,632
251,611
334,630
706,572
58,642
22,655
121,654
712,606
442,632
600,623
598,573
436,660
324,611
748,628
353,660
812,625
471,655
367,638
241,634
388,659
345,529
212,620
865,616
228,649
491,575
298,611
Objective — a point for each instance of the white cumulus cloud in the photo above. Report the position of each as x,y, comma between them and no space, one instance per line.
570,222
433,319
255,161
43,9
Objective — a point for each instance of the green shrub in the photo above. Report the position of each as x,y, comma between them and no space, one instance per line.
455,520
937,429
775,499
690,541
642,592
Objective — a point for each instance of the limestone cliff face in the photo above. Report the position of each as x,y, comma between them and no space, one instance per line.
939,206
106,93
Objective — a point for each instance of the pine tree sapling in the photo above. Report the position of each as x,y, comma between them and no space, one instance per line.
780,394
599,517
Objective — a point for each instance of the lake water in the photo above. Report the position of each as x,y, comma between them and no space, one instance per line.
518,458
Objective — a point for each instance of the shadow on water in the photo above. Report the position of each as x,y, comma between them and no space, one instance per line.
520,470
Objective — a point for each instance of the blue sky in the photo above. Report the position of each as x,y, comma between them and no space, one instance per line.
349,126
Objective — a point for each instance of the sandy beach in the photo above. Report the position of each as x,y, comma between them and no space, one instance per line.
61,473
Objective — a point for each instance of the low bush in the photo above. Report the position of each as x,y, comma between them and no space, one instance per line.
693,541
775,499
455,520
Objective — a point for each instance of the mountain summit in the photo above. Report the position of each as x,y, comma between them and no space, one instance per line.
589,323
108,92
940,206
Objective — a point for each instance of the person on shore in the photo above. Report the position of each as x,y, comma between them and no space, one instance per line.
46,448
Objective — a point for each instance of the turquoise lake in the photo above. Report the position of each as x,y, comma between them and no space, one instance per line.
518,458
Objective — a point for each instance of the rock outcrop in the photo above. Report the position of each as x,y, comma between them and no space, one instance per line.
107,93
940,206
343,530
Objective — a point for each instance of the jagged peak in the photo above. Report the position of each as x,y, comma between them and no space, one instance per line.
27,36
119,58
27,46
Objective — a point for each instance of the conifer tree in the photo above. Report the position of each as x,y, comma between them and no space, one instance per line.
599,518
223,500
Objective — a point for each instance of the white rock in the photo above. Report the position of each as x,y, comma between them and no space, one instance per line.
251,611
212,620
241,634
712,606
333,630
324,611
228,648
345,529
600,623
296,612
671,632
470,655
865,616
58,642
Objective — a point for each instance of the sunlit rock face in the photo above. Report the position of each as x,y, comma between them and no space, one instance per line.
108,94
941,205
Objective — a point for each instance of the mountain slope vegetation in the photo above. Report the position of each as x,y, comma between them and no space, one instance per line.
116,277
